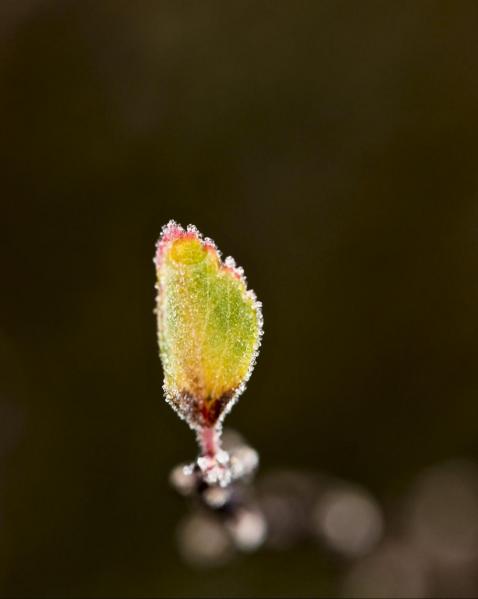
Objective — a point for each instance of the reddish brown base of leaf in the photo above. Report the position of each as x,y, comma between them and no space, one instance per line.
199,413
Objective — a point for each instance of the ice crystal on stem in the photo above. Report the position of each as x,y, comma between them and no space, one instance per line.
209,331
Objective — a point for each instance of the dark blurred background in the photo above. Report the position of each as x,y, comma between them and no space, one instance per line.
331,147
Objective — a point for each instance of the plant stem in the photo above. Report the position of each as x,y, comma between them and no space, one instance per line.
209,442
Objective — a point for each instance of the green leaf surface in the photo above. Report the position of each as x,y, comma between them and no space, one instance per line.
209,326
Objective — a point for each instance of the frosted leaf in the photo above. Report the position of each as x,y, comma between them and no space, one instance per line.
209,326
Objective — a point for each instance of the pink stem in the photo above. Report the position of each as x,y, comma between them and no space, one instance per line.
208,438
